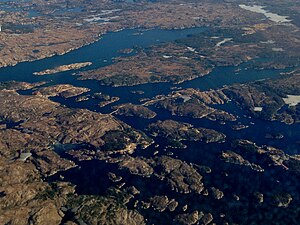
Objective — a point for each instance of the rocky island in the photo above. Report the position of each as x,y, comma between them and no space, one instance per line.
62,90
64,68
176,132
134,110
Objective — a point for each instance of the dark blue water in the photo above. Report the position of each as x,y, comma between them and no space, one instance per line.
91,178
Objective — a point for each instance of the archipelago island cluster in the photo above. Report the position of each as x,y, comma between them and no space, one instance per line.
133,112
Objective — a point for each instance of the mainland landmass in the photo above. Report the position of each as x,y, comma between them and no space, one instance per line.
37,29
123,142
